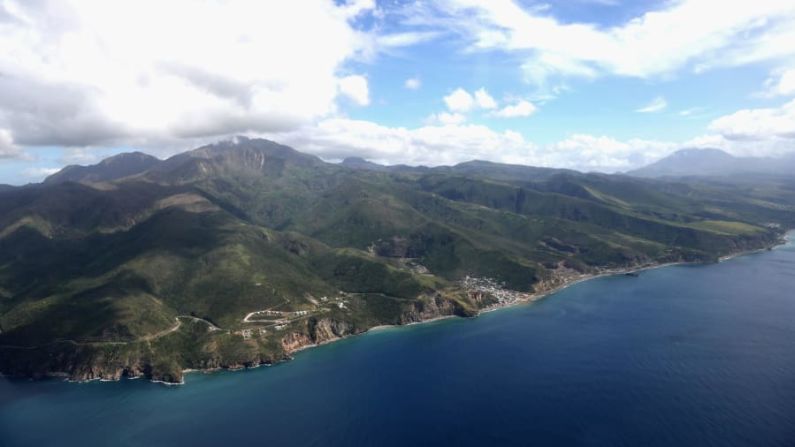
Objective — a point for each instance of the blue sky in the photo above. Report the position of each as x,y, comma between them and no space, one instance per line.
606,105
603,85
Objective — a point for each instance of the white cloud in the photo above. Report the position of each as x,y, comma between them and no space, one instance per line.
769,147
336,138
355,87
484,100
433,145
764,132
406,39
7,147
95,72
602,153
522,108
353,8
446,118
758,124
783,84
37,174
412,83
693,111
657,104
685,34
459,101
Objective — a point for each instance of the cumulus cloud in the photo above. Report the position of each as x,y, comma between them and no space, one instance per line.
459,101
85,73
768,147
95,72
484,99
686,34
762,132
782,84
433,145
336,138
355,87
522,108
412,83
602,153
446,118
758,124
657,104
7,147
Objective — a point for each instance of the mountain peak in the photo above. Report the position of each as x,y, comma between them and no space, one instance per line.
241,145
714,162
111,168
134,159
691,162
235,156
701,153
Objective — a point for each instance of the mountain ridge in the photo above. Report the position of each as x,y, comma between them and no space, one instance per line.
241,252
111,168
255,149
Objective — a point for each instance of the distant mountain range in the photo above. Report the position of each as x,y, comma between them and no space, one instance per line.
131,164
714,162
683,163
241,252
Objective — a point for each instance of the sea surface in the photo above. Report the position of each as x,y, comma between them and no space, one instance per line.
679,356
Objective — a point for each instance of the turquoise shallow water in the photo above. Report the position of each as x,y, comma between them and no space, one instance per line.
680,356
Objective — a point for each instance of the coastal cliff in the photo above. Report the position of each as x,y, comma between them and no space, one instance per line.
198,347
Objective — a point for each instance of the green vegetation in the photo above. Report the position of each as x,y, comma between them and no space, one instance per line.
109,271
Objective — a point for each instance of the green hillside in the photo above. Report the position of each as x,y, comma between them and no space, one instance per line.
241,252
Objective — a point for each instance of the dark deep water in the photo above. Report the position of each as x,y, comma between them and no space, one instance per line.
680,356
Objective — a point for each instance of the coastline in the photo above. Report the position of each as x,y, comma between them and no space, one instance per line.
531,298
784,239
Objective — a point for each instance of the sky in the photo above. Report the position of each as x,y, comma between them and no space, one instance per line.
593,85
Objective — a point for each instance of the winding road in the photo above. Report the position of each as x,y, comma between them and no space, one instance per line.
145,338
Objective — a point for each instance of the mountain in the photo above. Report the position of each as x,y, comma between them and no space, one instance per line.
479,168
241,252
361,163
714,162
113,168
503,171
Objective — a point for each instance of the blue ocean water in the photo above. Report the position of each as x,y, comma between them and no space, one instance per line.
679,356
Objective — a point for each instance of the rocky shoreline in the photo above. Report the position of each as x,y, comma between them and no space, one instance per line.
547,289
133,364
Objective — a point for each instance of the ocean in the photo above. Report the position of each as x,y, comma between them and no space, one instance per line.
678,356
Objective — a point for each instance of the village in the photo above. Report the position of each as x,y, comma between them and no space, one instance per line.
491,287
277,320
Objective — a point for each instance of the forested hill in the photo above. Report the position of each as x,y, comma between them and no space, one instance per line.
240,252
